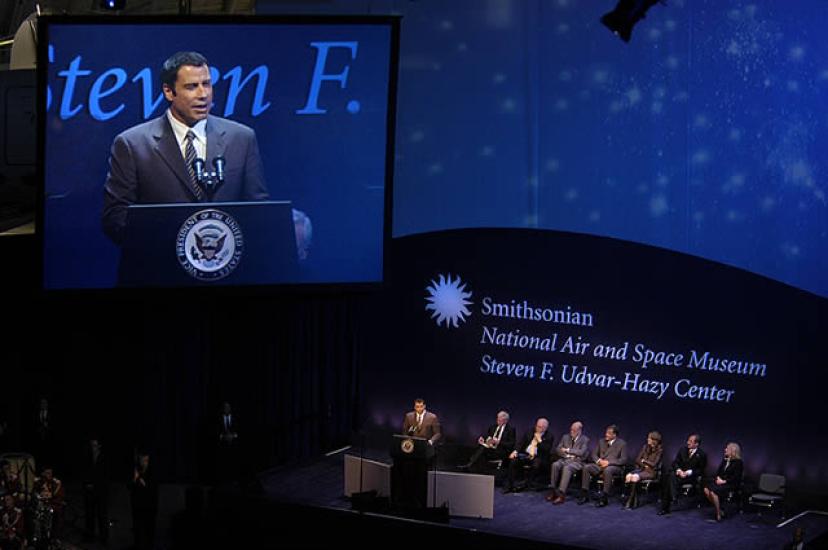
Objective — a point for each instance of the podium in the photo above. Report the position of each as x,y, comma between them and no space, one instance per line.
409,474
209,244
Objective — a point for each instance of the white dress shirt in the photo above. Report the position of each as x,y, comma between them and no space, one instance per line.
180,130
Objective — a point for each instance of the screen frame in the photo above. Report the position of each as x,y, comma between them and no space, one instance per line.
389,21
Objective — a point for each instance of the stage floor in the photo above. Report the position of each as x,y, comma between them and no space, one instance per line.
527,515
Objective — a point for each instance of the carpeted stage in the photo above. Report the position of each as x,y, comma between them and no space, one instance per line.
525,519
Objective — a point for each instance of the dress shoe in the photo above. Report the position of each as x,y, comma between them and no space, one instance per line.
582,499
601,503
663,511
552,495
559,499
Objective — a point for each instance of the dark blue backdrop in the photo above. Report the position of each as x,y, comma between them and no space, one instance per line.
703,135
331,165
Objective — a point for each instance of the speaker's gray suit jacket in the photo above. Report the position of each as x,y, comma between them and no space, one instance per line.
146,166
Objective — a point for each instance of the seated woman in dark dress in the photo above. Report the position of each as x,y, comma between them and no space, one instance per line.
728,477
646,465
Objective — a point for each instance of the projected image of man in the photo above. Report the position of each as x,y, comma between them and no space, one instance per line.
153,161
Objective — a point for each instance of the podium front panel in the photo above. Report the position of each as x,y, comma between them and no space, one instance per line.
467,495
374,476
209,244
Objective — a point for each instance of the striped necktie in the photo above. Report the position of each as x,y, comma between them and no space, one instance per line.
189,158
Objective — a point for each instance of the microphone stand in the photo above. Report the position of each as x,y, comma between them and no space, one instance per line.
209,182
434,481
361,459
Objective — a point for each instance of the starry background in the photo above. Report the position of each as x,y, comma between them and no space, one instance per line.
706,134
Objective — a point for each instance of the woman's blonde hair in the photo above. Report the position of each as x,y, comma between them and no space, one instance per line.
735,450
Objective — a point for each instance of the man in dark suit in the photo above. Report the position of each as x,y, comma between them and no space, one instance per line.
422,423
533,450
608,459
496,444
144,499
152,162
688,467
227,455
573,450
96,492
44,434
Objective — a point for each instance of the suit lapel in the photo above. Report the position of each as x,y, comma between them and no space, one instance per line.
167,148
215,144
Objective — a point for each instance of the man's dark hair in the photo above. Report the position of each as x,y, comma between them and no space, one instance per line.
169,71
697,438
419,400
613,428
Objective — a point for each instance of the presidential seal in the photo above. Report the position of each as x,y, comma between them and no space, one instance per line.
407,446
209,245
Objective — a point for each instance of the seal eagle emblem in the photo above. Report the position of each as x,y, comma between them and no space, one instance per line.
209,245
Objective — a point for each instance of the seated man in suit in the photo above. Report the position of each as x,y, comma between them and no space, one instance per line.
608,459
422,423
688,467
534,451
153,161
496,444
573,450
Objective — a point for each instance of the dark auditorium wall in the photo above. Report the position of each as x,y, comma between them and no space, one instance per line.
151,370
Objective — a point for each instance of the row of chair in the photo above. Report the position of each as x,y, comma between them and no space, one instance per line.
769,494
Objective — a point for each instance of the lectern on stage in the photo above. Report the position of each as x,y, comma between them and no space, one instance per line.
205,244
409,474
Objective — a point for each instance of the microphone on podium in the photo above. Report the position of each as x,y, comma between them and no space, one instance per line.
209,181
198,168
219,163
